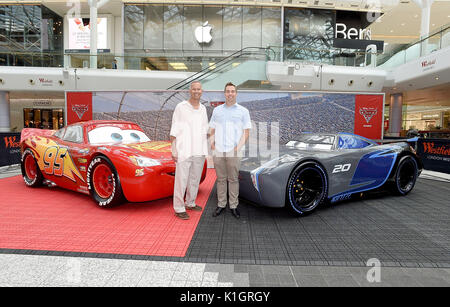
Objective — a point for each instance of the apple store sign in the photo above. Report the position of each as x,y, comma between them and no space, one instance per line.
203,33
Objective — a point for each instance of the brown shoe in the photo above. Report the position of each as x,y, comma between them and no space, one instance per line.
195,208
182,215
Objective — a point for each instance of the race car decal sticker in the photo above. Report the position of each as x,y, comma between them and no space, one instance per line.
162,146
55,160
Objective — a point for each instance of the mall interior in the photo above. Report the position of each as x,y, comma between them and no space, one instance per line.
284,45
396,49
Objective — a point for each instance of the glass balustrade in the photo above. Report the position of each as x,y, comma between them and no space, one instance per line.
190,61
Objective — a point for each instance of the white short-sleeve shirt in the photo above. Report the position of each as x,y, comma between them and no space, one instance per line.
190,128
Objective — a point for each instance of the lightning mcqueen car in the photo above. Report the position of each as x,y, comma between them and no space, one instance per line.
328,167
113,161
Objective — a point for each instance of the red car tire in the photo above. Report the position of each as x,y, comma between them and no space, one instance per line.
30,170
104,183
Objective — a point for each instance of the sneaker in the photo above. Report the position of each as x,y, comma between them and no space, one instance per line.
195,208
182,215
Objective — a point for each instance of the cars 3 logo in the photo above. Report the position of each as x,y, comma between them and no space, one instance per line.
368,113
80,109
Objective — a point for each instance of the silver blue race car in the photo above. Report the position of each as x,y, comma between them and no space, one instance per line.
328,167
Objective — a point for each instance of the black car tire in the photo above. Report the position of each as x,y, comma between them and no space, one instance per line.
307,188
405,176
31,173
104,183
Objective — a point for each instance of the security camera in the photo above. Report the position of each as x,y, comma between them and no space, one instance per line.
331,82
61,82
370,84
31,81
1,81
350,83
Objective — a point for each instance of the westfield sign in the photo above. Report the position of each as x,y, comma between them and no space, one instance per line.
428,147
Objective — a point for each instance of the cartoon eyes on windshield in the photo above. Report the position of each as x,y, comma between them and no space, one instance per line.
116,137
135,136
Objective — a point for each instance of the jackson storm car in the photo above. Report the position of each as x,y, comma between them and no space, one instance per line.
113,161
328,167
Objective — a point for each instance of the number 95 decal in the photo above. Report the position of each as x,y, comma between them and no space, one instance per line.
342,168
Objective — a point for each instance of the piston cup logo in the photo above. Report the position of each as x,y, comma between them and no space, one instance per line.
80,110
368,113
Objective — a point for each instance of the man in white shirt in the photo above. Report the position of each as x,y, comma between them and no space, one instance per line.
230,127
188,135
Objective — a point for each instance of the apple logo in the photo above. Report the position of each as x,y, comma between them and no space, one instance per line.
203,33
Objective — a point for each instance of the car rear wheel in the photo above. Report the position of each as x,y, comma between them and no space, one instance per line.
30,170
307,188
104,183
405,176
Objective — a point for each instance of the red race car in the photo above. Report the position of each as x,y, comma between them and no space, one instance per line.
113,161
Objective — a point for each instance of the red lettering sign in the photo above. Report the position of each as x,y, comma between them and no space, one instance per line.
11,142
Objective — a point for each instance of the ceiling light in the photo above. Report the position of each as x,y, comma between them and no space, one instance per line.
178,66
437,78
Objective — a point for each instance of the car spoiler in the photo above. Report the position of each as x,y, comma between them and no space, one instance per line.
411,141
29,132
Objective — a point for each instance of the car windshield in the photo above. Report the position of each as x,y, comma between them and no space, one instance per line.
313,141
114,134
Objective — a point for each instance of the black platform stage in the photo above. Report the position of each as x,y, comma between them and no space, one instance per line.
410,231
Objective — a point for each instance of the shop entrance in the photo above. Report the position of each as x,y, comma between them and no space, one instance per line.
43,118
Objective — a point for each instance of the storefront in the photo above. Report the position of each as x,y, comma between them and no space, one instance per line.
425,110
43,113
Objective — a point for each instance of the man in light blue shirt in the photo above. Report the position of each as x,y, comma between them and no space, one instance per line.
229,130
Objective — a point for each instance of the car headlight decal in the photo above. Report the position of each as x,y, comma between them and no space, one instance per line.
143,161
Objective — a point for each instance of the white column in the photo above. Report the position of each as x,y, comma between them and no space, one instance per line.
5,120
425,5
93,41
395,114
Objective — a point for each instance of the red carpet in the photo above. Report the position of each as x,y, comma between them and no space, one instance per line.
60,220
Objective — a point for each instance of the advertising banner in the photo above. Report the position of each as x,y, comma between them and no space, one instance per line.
78,106
435,154
80,33
369,116
281,114
9,148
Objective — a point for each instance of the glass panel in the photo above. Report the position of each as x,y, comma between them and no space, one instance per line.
251,27
213,15
193,19
271,27
173,27
308,34
153,26
232,22
445,39
134,27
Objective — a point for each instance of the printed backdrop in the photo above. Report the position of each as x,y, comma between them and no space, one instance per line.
284,113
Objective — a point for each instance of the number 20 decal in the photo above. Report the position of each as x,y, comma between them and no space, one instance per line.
54,160
342,168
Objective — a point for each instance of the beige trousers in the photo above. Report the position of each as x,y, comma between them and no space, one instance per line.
188,173
227,172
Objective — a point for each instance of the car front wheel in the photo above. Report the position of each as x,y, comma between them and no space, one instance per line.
307,188
104,183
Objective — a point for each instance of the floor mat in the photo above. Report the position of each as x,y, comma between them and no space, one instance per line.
54,219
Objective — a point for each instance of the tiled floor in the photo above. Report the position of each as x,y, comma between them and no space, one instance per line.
60,271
